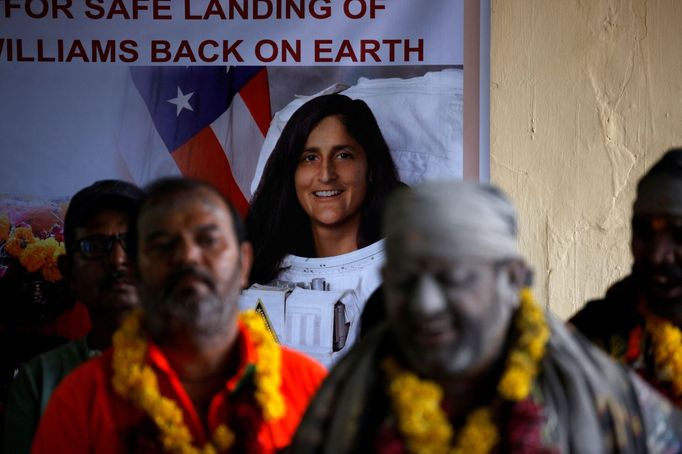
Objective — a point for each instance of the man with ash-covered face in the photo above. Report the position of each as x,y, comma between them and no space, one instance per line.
466,360
96,267
638,321
187,372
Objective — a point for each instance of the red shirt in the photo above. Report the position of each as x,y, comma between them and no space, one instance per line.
85,414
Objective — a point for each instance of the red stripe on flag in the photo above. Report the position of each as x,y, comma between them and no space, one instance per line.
256,96
202,157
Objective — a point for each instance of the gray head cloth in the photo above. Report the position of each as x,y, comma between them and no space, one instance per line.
451,219
660,190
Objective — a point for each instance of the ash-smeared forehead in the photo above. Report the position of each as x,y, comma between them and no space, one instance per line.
453,220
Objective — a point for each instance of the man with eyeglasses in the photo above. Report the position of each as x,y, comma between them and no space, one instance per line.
186,372
97,270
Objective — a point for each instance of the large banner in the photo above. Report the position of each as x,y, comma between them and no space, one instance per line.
137,89
140,89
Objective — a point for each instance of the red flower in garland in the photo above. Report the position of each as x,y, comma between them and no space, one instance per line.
524,429
389,441
634,344
245,417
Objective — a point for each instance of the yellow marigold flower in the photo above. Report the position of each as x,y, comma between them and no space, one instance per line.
667,347
479,435
536,347
515,384
223,437
5,226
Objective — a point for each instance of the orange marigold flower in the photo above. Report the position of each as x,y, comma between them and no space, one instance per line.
18,240
35,254
51,272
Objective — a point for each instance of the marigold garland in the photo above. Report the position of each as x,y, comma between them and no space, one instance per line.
34,254
417,402
667,348
137,381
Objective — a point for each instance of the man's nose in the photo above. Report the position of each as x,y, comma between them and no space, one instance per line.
186,252
427,298
118,255
663,250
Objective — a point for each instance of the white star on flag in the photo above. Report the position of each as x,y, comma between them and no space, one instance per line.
181,101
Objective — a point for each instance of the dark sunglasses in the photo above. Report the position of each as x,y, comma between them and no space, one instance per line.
99,246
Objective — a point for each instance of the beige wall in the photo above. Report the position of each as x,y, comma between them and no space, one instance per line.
585,95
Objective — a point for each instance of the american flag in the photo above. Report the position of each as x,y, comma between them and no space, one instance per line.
212,120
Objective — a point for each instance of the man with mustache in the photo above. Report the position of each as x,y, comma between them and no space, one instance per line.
639,319
97,270
466,361
187,373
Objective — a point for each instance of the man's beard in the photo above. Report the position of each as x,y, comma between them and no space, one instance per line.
183,312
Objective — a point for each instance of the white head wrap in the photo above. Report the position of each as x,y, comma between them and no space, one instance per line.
451,219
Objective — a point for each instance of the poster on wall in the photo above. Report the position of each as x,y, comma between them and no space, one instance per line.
140,89
127,88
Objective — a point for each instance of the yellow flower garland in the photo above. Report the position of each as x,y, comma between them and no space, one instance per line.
667,347
417,402
137,381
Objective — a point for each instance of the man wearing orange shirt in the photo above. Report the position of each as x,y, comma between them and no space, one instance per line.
187,372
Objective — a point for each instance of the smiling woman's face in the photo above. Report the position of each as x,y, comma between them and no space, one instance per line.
331,176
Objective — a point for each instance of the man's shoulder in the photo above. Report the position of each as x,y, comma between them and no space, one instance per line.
55,364
300,363
581,363
616,313
86,377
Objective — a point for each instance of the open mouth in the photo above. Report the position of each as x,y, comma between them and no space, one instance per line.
434,334
434,338
327,194
665,285
665,282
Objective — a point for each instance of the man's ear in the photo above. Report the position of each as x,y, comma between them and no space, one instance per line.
246,255
520,275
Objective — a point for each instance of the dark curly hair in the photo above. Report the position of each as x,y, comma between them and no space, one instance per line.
276,222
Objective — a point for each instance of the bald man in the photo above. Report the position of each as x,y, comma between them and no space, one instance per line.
466,361
638,321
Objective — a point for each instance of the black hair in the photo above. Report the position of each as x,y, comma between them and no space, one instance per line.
670,165
109,195
276,222
169,186
654,193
